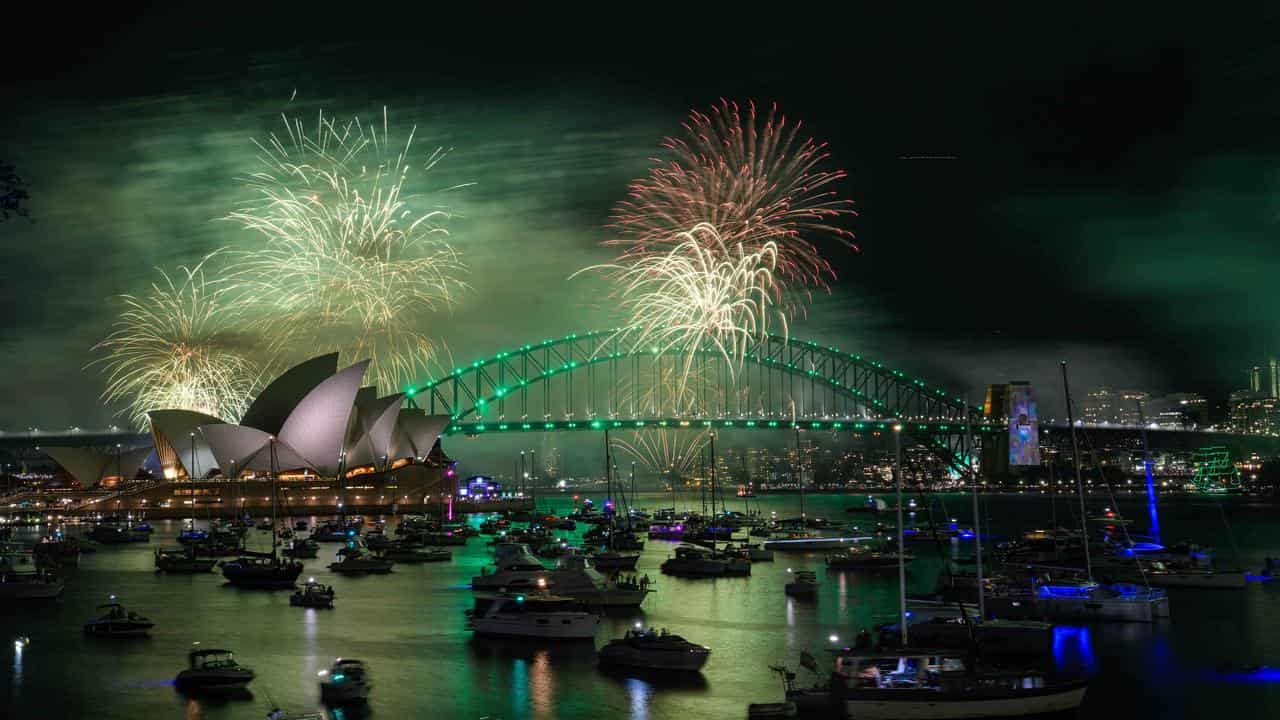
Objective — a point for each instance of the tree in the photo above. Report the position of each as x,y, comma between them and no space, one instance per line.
13,192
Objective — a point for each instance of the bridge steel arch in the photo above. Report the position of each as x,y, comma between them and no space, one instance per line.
595,381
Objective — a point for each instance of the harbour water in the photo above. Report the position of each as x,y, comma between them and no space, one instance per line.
409,628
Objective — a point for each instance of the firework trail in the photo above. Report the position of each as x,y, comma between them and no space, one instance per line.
665,451
754,179
698,296
177,347
351,261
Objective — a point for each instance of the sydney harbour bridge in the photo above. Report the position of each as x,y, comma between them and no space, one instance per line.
595,381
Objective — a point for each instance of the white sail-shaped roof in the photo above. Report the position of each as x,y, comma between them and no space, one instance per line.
272,407
240,448
371,434
83,464
172,431
317,427
416,432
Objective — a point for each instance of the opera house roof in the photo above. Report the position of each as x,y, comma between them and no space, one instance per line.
320,417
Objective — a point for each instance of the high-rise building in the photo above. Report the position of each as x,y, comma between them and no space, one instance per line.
1176,411
1274,366
1254,413
1132,408
1257,376
1100,407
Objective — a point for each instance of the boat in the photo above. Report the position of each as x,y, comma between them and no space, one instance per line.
111,534
347,681
353,561
262,570
537,615
300,526
213,670
305,548
928,684
515,568
807,542
653,650
58,550
666,530
312,595
695,561
803,584
575,577
402,554
612,560
1082,599
31,583
957,626
755,553
871,505
182,560
861,557
1163,574
332,532
117,622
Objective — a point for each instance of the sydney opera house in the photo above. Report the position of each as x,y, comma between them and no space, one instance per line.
331,442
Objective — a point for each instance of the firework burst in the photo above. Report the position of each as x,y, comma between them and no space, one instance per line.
351,262
698,296
663,451
177,347
754,179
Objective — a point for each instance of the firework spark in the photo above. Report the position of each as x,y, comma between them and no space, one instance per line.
351,261
699,296
751,177
663,451
177,347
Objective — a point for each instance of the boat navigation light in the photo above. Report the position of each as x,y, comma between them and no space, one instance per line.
322,673
311,579
834,639
639,625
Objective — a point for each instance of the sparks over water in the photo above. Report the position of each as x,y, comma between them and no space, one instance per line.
352,260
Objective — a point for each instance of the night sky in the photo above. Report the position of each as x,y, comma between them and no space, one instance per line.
1101,189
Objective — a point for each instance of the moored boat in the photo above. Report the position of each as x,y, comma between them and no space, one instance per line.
117,622
346,681
182,560
213,669
313,595
654,650
532,615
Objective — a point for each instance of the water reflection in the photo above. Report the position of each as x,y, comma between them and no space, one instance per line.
542,684
638,693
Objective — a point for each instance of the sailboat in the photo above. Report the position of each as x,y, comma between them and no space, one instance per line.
1083,598
264,570
935,684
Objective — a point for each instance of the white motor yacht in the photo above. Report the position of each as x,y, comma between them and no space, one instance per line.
575,577
346,681
515,569
533,615
655,651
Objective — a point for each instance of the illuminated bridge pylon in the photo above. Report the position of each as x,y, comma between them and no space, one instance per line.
595,381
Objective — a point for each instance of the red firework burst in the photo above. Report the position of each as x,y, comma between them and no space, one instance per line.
750,176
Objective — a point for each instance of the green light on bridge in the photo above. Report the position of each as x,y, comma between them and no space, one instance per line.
525,426
751,423
596,424
550,426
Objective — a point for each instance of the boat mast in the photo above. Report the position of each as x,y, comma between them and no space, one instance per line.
1075,457
633,491
608,479
977,530
902,566
533,478
713,475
